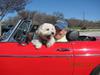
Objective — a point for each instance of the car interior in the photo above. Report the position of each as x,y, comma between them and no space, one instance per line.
26,30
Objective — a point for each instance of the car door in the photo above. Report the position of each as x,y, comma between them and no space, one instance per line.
16,59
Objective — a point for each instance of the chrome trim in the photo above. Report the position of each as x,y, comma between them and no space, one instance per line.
81,55
34,56
46,56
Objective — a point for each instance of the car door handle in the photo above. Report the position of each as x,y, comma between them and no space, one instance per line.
63,49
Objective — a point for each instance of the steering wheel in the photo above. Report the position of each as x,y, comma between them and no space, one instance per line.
21,37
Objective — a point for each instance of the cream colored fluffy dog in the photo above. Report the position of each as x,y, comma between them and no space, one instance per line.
44,35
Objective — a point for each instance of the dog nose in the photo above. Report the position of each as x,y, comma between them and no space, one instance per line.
52,33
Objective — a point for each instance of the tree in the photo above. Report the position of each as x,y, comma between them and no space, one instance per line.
7,6
59,15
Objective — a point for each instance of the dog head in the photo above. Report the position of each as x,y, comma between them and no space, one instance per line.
46,30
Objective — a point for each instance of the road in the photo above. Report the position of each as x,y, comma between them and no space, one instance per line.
95,33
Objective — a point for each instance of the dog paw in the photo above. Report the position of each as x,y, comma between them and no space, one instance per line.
37,43
38,46
49,44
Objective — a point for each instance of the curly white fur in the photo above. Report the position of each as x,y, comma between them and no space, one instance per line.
44,30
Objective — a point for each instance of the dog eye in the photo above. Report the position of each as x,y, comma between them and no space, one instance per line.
47,29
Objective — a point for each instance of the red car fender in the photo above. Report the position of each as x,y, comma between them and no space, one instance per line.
86,56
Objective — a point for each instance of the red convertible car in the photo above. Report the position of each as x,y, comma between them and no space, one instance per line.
79,57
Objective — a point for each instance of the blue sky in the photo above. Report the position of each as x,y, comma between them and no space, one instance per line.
70,8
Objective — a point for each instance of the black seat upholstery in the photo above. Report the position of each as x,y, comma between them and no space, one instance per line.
72,35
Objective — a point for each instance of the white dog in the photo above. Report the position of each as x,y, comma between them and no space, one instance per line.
44,35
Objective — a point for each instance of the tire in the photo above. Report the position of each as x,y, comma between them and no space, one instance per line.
96,71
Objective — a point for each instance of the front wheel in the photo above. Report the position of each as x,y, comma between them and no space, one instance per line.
96,71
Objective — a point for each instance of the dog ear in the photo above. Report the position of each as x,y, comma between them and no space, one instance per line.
38,31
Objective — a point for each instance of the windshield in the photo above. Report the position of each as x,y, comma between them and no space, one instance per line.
24,26
6,34
19,28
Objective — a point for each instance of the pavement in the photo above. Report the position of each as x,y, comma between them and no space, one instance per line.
93,33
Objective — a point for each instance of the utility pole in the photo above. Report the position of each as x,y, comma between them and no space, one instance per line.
83,16
83,24
0,28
